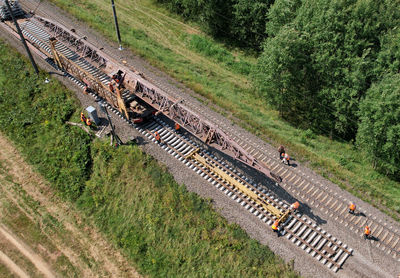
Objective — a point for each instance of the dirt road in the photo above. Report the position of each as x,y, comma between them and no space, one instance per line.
59,241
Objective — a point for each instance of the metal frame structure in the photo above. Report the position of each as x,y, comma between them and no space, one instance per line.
199,126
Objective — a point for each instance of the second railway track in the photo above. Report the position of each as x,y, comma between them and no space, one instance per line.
300,230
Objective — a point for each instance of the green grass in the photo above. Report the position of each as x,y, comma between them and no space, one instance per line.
35,112
166,230
163,229
221,75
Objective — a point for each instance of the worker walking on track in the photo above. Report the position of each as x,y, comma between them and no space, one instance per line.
367,232
177,127
281,151
352,208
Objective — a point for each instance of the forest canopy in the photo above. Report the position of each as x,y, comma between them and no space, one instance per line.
327,65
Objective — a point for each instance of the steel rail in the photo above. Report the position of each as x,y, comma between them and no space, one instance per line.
158,99
319,247
262,214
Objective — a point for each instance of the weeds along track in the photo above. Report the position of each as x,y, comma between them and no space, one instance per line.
258,200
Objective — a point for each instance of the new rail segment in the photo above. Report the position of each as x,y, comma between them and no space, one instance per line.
91,69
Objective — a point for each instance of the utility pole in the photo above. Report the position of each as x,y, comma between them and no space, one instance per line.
113,134
22,38
116,24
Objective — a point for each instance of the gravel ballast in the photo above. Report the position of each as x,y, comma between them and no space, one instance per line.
367,261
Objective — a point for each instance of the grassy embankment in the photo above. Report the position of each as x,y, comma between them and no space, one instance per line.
39,229
162,228
222,76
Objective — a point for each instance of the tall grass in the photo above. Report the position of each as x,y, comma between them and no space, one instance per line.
32,114
163,229
221,75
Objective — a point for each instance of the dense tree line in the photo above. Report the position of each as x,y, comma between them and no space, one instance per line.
240,22
328,65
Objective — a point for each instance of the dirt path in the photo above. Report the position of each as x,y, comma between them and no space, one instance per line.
79,238
12,266
41,265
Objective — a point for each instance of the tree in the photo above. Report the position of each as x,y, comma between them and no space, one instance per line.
282,12
343,43
285,77
216,16
248,23
379,129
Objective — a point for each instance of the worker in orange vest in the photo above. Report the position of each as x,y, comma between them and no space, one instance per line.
286,158
177,127
275,227
111,87
367,232
88,122
352,208
83,118
157,136
294,206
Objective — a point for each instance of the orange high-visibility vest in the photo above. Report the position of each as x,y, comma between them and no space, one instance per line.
275,225
157,136
177,126
352,207
83,118
367,231
287,156
295,205
88,122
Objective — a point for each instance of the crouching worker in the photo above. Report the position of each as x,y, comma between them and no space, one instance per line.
275,227
352,208
286,159
294,206
90,124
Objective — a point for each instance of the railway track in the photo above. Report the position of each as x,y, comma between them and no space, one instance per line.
300,230
306,189
297,228
318,195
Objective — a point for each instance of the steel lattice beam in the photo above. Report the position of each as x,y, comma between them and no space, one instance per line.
157,98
